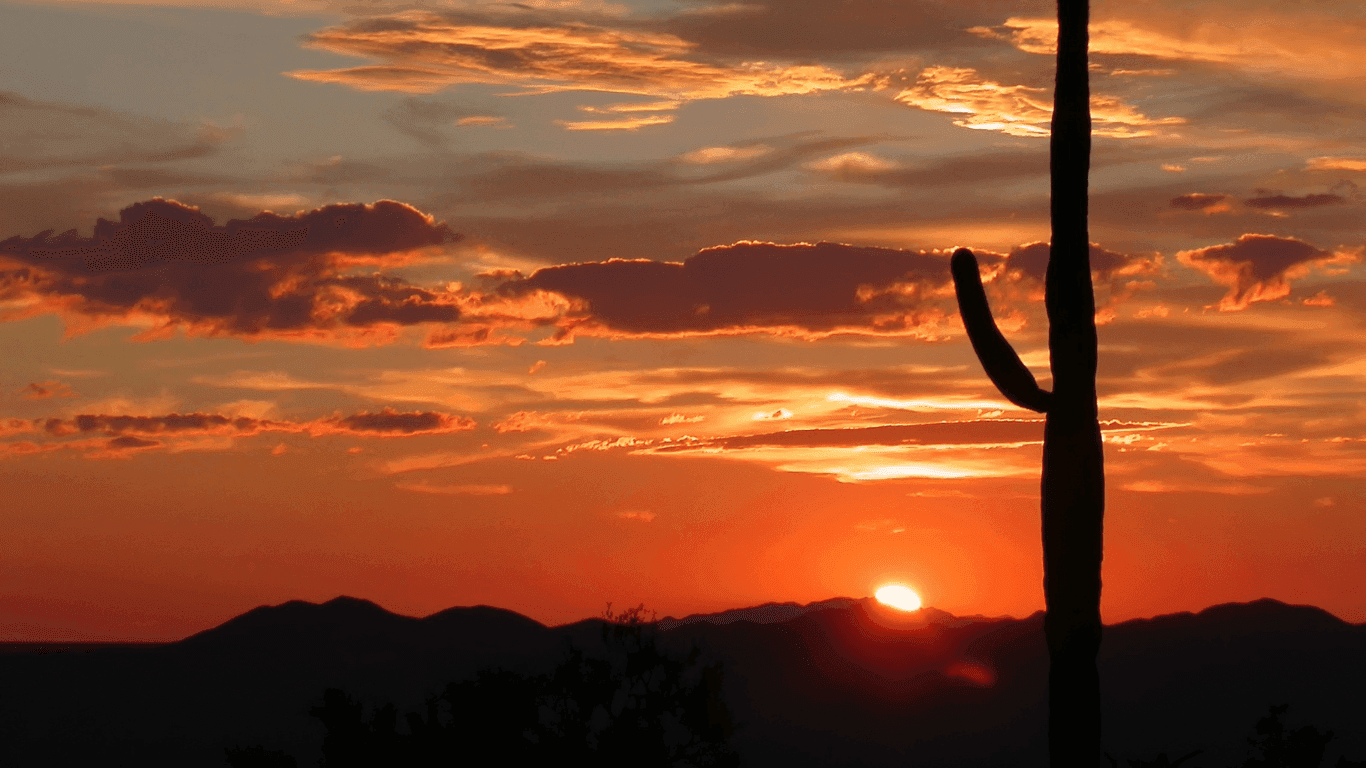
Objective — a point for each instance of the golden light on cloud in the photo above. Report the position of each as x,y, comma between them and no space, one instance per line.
625,124
1298,46
707,155
423,52
855,161
898,596
1016,110
942,404
900,471
1337,164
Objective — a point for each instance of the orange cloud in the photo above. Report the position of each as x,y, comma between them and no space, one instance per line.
423,52
1196,201
1259,267
988,432
271,275
624,124
1016,110
1299,45
1337,163
455,490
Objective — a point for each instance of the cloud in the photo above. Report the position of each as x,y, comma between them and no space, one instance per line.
1259,267
128,441
1284,201
1016,110
455,490
623,124
45,135
516,178
528,421
423,120
1303,44
45,390
990,432
1116,276
1336,164
1164,486
270,275
1196,201
808,28
423,51
801,290
804,290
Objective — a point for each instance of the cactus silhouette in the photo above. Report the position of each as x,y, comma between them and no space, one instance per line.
1073,485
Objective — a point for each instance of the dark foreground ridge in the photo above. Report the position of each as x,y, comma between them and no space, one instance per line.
844,681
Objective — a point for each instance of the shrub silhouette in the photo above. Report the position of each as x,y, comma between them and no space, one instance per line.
1073,483
636,704
1276,746
259,757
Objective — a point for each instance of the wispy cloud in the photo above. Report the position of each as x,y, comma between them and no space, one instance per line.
1017,110
424,51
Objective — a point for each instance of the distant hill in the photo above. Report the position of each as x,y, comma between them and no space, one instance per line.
843,681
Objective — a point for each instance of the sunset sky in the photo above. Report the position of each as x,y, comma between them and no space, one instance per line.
543,305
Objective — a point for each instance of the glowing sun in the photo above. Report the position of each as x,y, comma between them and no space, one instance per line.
898,596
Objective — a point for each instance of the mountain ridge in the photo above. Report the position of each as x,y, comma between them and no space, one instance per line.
839,680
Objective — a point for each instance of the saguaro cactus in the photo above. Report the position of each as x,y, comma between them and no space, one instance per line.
1073,487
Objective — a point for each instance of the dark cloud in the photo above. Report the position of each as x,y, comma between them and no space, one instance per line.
270,274
391,422
1258,267
1285,201
45,390
1196,201
385,423
128,441
804,289
193,423
1032,260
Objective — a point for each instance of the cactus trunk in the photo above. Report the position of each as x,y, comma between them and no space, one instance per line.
1073,469
1073,486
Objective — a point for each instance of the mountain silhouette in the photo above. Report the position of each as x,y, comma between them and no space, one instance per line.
843,681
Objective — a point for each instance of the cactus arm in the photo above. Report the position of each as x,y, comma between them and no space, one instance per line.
1003,366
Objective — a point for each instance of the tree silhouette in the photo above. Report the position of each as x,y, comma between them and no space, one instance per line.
1073,484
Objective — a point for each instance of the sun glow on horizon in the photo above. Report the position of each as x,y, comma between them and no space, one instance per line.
898,596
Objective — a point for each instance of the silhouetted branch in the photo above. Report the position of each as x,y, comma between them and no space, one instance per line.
1003,366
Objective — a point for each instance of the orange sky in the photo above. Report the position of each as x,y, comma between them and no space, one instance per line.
554,304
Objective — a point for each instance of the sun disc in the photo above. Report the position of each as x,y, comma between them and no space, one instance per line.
898,596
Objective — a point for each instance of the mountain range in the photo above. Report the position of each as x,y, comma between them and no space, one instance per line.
839,682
